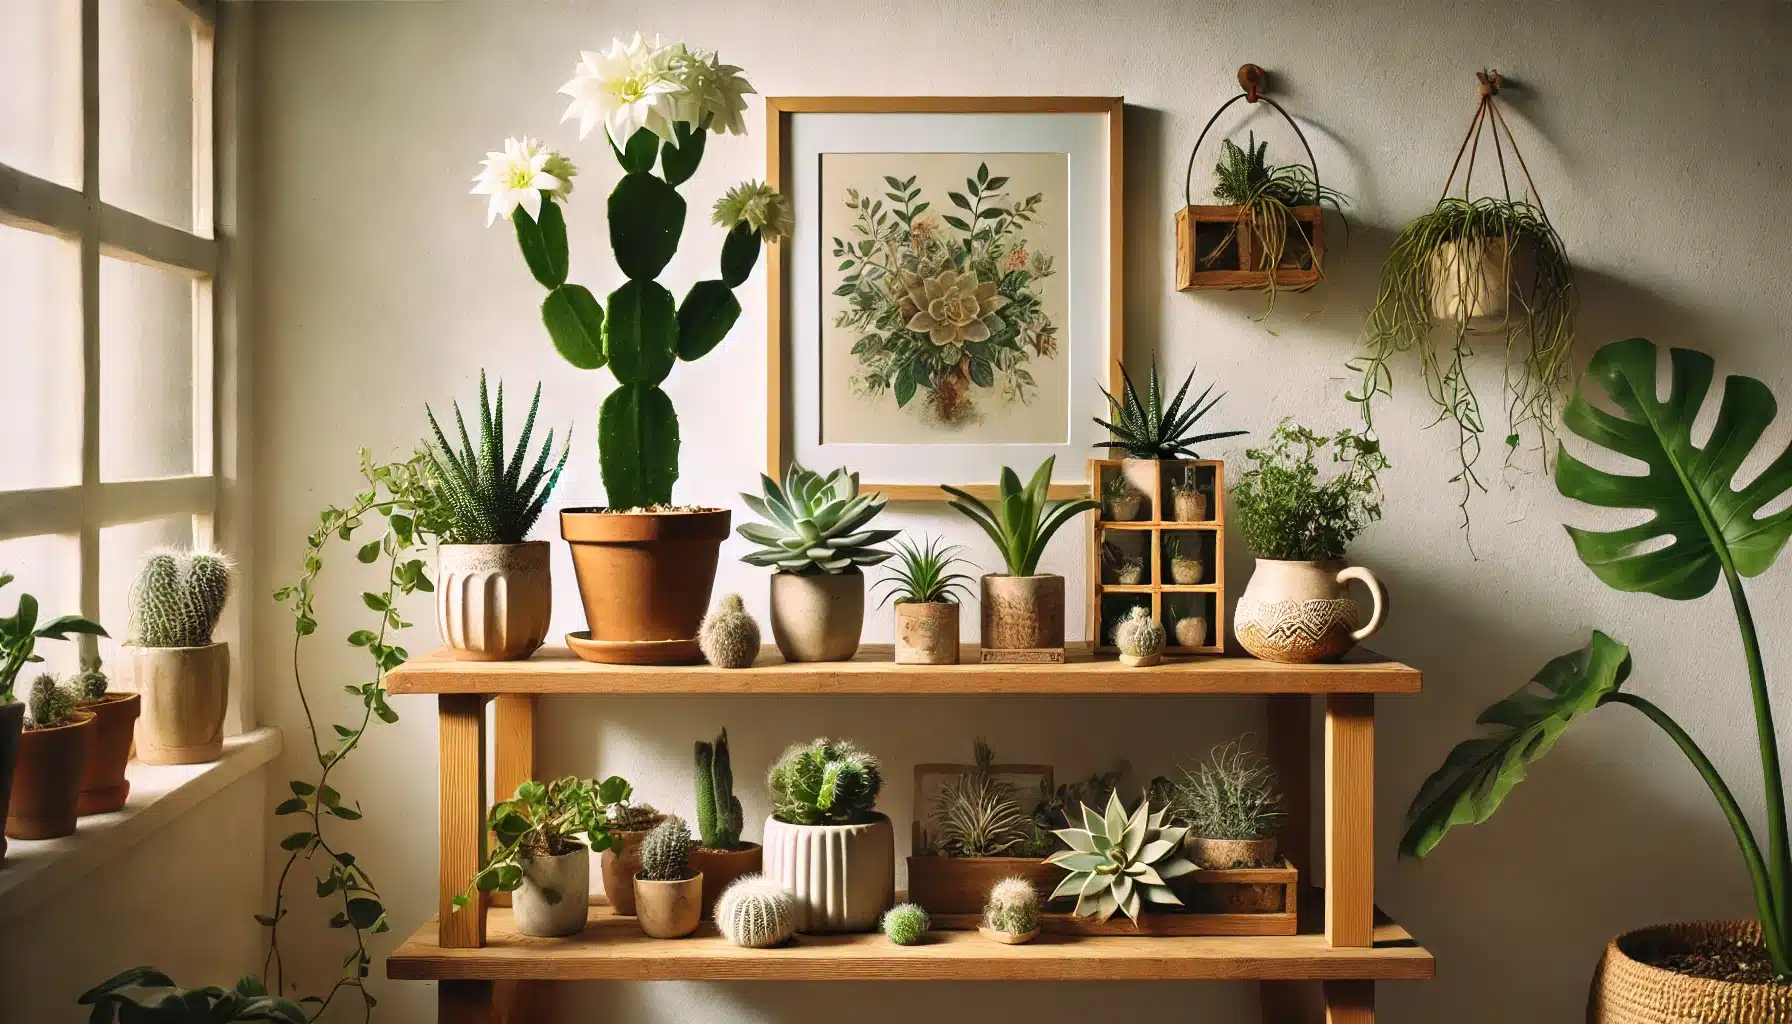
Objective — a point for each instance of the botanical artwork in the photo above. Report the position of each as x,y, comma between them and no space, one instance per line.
943,302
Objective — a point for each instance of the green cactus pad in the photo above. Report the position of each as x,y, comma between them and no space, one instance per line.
543,242
646,219
705,318
641,333
740,250
576,323
637,440
679,162
643,146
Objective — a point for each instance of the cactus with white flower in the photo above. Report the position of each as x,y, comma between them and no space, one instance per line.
657,105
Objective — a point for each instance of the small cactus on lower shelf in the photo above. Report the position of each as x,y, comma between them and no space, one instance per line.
756,912
51,704
906,924
729,638
1013,907
719,816
178,597
90,683
666,852
1139,636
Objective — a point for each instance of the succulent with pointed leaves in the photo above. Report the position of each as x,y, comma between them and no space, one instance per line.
1120,862
815,524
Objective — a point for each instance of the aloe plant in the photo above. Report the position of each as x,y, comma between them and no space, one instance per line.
1145,429
1022,521
485,498
1715,532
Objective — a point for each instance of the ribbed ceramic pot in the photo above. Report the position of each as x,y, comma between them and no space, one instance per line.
12,722
1628,991
1300,612
185,692
668,910
103,785
927,633
1472,282
493,600
555,893
1022,612
818,617
843,877
720,868
46,784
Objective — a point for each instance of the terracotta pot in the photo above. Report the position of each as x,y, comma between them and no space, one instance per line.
927,633
185,692
1191,631
493,600
668,910
1023,612
12,720
819,617
1628,991
1219,854
619,865
842,877
720,868
1123,510
645,576
960,885
555,894
1300,612
46,784
1471,282
1188,506
1187,572
103,785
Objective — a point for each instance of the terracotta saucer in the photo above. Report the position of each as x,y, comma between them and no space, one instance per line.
634,652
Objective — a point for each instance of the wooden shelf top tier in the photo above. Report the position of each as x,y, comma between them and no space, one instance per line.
554,670
613,948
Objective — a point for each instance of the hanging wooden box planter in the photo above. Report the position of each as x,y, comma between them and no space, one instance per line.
1217,248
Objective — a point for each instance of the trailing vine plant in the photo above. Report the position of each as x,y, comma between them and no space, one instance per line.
398,494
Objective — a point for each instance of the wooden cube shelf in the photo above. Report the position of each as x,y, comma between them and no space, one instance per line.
1145,538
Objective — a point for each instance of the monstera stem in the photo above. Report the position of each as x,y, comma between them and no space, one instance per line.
1772,927
1780,865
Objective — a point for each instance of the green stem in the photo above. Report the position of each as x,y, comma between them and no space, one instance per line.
1772,930
1780,863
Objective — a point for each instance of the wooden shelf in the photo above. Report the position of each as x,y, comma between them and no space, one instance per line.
554,670
613,948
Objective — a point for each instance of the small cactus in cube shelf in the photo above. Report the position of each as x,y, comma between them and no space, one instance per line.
666,852
719,816
906,924
756,912
1012,908
90,683
178,597
729,638
50,704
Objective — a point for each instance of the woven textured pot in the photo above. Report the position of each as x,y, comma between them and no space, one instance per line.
819,617
46,785
493,600
1628,991
1022,613
103,785
185,692
554,895
843,877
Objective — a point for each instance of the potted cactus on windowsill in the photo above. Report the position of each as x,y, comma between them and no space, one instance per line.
825,840
721,855
103,785
182,676
46,785
645,566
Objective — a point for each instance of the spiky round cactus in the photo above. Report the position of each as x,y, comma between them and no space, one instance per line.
1138,635
50,704
906,924
1012,908
756,912
729,638
178,597
825,782
89,684
666,852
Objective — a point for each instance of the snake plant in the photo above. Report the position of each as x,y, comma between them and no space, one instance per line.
814,524
1145,429
487,499
1022,521
1120,862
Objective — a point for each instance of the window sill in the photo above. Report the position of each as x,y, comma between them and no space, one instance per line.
34,871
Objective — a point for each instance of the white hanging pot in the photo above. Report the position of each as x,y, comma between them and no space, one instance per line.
1472,283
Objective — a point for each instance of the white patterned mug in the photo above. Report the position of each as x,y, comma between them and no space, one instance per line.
1300,612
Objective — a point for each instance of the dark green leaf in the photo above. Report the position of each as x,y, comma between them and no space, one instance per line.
638,446
368,552
362,637
291,805
295,841
641,332
642,147
543,242
363,912
575,322
679,162
704,319
740,251
646,220
959,200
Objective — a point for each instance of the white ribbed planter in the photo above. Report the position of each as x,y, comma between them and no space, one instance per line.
493,600
843,877
554,895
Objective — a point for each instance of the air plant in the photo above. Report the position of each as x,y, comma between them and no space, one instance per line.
979,815
922,574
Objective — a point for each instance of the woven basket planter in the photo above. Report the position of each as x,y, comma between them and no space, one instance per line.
1629,991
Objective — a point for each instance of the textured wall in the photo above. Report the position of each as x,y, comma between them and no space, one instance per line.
1654,132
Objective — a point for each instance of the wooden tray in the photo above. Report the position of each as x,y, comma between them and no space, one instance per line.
1272,886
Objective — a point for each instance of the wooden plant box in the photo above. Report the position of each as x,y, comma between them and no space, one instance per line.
1234,889
1216,249
960,885
1146,536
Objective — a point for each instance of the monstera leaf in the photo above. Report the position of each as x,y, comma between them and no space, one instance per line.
1687,487
1479,773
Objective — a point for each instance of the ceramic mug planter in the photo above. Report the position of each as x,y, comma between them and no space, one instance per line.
1023,612
619,865
1628,990
719,869
103,785
1471,283
818,617
668,910
493,600
555,894
842,877
927,632
12,722
1300,612
644,579
46,782
185,692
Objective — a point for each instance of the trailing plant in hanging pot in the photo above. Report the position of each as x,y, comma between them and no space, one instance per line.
1487,264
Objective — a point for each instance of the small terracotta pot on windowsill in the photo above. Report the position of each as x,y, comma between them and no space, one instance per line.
103,785
46,784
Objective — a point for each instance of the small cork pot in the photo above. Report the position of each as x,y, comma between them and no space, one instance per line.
927,633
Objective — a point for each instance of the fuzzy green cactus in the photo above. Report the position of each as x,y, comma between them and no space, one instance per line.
906,924
178,598
666,852
756,912
1012,908
729,638
89,684
51,704
1138,635
719,816
825,782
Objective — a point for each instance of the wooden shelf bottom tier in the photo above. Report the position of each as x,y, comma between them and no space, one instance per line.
613,948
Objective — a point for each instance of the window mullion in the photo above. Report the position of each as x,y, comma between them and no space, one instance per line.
90,308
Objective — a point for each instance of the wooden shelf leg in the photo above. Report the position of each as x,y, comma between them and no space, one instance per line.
1350,819
462,728
464,1002
1350,1002
513,763
1289,746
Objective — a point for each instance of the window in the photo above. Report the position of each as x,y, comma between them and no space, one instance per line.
107,264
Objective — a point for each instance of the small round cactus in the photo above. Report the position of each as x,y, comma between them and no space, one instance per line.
756,912
666,852
1013,907
729,638
1138,636
89,684
178,597
906,924
51,704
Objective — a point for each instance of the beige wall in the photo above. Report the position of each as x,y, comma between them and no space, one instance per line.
1655,132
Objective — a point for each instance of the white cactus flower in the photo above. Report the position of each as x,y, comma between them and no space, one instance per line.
710,92
627,87
519,175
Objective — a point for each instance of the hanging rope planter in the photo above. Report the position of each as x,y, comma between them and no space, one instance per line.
1269,230
1486,265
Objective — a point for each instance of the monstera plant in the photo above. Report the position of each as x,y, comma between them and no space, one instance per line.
1713,531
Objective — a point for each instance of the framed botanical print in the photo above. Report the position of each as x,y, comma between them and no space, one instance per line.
949,301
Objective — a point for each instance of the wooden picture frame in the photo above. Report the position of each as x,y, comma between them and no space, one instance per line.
1147,535
783,321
